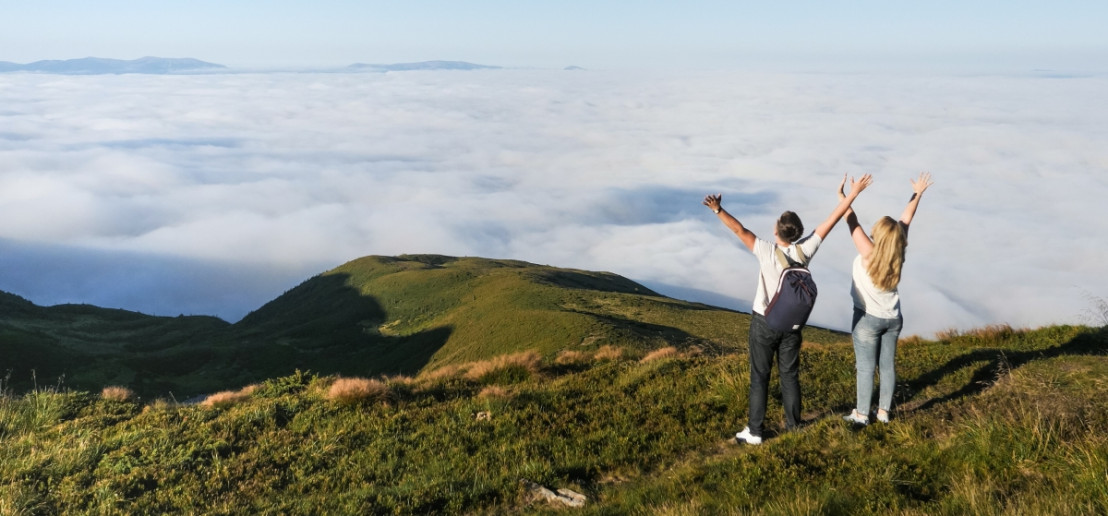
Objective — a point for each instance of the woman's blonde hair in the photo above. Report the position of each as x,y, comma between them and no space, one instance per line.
889,244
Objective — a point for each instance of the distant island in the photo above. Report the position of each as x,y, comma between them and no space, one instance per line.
422,65
99,65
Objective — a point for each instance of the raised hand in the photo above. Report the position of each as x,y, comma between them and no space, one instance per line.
918,186
713,201
924,181
856,187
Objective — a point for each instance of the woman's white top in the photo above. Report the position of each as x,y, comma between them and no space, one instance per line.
884,304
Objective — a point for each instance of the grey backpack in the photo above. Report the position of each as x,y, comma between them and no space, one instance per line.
792,303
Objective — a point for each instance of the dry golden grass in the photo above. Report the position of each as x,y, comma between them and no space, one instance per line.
223,399
117,393
911,340
660,353
572,357
440,373
529,360
494,391
353,390
608,352
994,332
948,334
400,380
158,404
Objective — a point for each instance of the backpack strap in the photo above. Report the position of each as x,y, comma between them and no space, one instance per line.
800,253
787,262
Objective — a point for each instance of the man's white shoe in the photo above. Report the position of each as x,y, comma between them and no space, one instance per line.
746,437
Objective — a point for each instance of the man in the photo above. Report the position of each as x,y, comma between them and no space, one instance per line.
765,342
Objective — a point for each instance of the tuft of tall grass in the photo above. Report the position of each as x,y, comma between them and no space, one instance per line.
994,332
355,390
659,354
224,399
494,391
948,334
608,352
511,368
160,404
570,357
117,393
910,340
439,374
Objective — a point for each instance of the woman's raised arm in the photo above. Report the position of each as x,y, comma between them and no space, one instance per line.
918,187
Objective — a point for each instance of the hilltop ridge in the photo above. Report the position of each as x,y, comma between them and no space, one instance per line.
370,316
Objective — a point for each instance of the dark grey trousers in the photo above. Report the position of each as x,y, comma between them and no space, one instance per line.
764,343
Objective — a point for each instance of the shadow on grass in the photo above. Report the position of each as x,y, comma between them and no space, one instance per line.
324,325
329,327
659,334
998,362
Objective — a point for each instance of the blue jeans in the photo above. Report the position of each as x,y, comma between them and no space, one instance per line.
875,346
765,342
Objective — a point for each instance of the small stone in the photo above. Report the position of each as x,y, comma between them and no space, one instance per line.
565,497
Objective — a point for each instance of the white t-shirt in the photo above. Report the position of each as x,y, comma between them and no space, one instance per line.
769,269
867,297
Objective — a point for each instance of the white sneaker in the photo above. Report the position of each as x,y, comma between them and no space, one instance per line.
745,436
857,418
883,416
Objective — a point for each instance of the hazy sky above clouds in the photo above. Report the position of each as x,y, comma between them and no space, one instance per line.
212,194
714,34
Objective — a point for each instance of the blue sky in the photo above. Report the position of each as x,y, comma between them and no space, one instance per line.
1061,34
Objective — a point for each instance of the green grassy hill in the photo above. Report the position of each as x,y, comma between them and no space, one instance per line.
89,347
995,421
438,385
372,316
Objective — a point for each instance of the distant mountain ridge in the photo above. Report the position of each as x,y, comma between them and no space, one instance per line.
421,65
165,66
99,65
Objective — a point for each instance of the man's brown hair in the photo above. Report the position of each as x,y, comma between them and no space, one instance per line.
789,227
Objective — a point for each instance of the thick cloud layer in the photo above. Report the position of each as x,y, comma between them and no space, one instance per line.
222,191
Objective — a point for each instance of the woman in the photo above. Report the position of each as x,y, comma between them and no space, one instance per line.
877,319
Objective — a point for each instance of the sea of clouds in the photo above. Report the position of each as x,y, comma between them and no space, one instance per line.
213,194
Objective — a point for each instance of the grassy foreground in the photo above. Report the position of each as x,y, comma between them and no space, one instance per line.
996,421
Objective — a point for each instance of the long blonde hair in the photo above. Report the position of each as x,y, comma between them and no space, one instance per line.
887,257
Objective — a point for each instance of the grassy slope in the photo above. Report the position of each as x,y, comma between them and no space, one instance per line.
89,347
992,422
375,315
